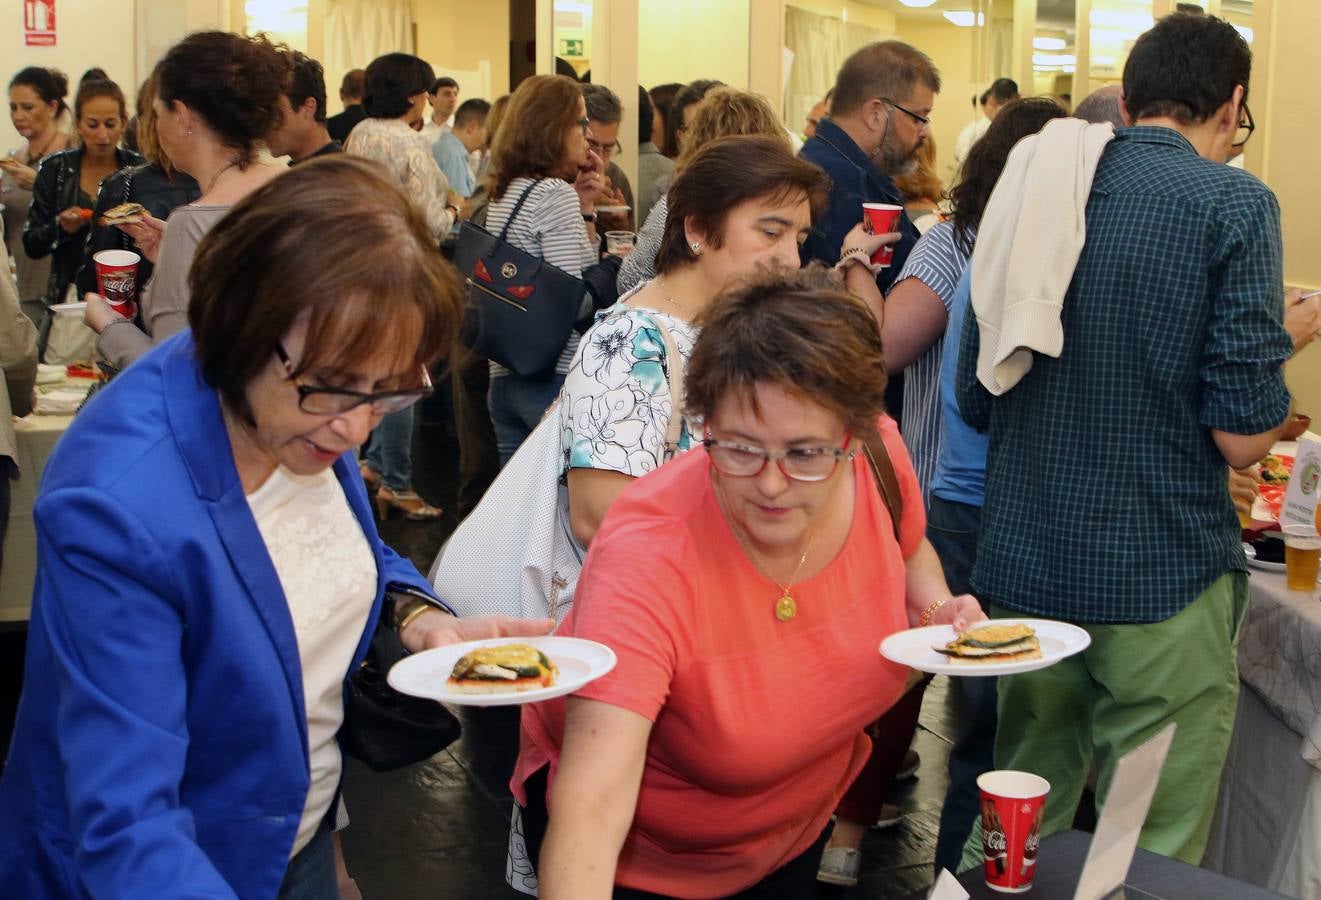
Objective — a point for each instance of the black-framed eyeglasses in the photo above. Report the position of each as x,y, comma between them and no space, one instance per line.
585,124
924,121
331,401
796,463
1245,126
604,150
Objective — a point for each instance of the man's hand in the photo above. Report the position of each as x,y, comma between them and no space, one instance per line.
1301,318
962,612
1243,491
436,628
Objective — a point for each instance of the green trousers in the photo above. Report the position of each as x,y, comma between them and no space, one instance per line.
1090,709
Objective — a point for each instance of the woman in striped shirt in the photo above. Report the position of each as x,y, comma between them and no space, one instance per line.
542,152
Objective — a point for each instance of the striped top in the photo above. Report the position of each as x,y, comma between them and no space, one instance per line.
550,225
640,265
937,262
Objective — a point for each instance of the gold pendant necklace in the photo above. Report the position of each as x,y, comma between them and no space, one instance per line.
786,607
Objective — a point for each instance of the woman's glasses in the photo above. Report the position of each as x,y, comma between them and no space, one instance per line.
330,401
797,463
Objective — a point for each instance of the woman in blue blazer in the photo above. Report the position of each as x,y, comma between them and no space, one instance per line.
208,568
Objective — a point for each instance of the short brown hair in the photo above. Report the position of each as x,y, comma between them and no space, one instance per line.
726,111
530,142
726,172
799,331
309,243
884,69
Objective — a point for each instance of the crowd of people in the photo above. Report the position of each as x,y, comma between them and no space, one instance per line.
776,452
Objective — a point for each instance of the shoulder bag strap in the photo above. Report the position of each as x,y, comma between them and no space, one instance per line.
674,375
517,206
878,457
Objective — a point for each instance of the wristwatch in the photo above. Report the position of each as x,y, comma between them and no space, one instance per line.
589,217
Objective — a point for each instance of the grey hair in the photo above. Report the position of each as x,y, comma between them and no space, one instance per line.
602,104
1102,105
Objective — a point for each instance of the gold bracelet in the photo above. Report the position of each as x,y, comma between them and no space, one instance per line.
930,611
422,606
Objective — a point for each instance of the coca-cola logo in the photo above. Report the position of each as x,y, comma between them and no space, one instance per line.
995,840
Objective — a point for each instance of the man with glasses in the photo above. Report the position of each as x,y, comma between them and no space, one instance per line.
604,113
1106,501
879,116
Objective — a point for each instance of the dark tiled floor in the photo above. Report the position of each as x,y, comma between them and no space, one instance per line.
438,830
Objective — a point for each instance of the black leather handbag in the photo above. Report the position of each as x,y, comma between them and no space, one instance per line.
382,727
520,308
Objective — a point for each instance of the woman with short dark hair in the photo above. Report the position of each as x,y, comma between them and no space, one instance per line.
709,760
395,99
36,102
69,183
218,97
209,572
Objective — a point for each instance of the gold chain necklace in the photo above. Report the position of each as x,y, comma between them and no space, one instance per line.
665,295
786,607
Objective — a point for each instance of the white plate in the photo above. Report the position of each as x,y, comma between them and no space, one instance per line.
1251,553
424,674
915,648
69,309
613,209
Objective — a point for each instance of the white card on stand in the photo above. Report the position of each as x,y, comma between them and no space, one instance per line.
1299,506
1120,823
947,887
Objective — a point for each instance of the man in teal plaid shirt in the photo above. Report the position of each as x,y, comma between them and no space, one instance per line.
1106,501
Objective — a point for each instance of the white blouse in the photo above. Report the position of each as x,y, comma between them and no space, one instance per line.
329,577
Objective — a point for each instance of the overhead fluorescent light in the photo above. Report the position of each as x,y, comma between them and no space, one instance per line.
1049,43
1054,59
1245,31
1132,22
917,4
965,18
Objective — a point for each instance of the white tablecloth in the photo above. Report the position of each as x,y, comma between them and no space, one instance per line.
37,436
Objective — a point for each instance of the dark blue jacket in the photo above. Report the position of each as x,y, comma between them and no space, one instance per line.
161,742
856,181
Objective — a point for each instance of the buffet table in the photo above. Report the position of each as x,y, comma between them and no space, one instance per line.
1267,829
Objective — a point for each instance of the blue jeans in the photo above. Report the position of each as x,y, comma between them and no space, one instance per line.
952,529
517,405
390,450
311,873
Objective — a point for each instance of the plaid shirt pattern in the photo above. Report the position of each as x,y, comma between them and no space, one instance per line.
1106,497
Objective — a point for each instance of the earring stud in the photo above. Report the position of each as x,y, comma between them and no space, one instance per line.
696,245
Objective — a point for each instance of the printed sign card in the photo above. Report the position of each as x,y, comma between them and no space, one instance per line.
1299,507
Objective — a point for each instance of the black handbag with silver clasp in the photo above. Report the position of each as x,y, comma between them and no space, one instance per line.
520,308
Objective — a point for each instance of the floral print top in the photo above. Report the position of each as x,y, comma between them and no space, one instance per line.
616,403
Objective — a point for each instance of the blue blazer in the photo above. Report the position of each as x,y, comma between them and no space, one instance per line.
161,743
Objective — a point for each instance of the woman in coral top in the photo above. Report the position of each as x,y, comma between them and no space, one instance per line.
745,588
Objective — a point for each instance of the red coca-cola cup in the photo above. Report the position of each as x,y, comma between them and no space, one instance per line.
882,217
117,279
1012,807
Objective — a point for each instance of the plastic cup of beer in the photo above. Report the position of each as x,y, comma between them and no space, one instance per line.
117,279
619,243
882,217
1013,804
1302,557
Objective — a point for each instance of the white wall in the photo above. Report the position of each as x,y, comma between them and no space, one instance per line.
683,40
88,33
